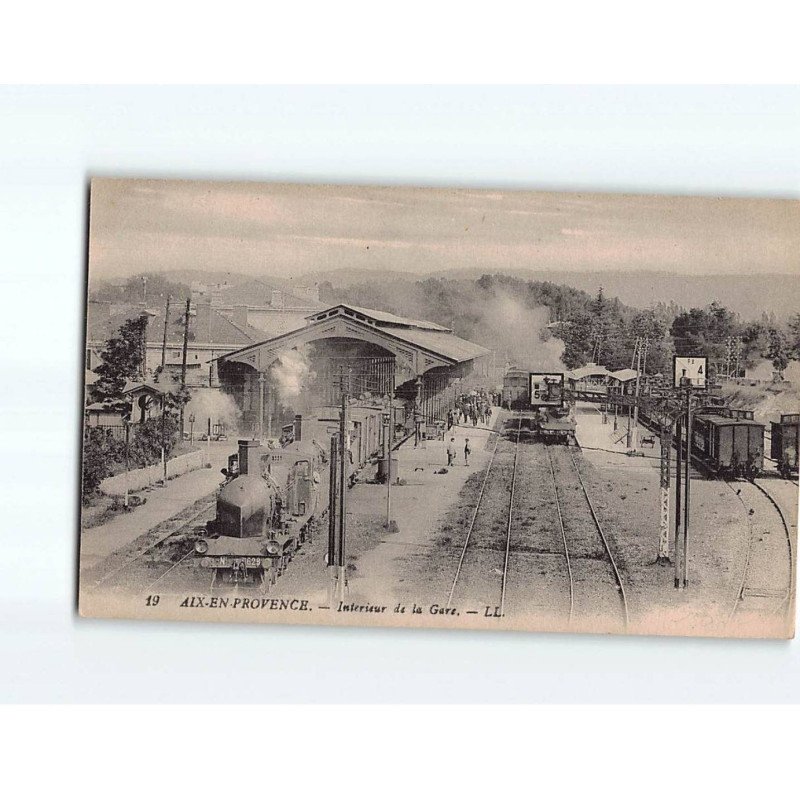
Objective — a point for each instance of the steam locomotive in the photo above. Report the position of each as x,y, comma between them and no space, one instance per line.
539,398
269,505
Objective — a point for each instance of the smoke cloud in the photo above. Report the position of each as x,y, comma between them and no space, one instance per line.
519,334
212,403
291,374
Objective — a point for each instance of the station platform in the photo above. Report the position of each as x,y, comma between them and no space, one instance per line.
602,444
425,491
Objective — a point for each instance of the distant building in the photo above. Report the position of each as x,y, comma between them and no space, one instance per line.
211,334
270,308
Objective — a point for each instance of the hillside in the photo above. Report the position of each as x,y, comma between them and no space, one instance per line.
747,296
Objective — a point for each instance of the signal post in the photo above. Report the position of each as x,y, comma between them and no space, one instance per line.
690,374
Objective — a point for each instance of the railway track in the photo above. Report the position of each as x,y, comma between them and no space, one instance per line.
596,587
148,566
488,562
756,593
479,546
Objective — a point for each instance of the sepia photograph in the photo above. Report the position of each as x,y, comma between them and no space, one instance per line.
442,408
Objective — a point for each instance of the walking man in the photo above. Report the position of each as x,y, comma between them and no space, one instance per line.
467,451
451,452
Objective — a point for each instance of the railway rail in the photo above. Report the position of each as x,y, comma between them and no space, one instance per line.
470,547
473,564
563,531
583,555
750,594
172,539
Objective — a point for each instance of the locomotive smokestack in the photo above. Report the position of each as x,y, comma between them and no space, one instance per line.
298,427
245,446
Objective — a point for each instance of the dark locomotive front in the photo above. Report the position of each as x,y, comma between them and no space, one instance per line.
264,513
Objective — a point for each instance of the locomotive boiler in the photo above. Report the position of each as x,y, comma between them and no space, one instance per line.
267,508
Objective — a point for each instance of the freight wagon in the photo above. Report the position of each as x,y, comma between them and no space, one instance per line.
728,442
785,436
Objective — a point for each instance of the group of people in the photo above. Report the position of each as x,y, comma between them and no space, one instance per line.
475,407
452,451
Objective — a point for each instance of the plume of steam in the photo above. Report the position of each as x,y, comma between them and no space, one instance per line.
291,374
213,403
520,334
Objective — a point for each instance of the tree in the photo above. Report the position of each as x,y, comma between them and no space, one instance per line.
703,331
122,361
793,342
651,325
755,342
101,453
777,352
153,292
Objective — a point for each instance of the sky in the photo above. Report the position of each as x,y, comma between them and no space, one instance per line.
288,229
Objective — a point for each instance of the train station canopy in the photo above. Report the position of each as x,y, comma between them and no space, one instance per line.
417,345
624,375
589,371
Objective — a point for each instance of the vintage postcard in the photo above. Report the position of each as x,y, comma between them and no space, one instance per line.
500,410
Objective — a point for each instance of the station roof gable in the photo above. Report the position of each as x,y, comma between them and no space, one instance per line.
421,348
378,318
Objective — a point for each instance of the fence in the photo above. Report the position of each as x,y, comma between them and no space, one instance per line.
117,431
148,476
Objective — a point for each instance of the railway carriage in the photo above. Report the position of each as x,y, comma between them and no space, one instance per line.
728,442
516,391
785,443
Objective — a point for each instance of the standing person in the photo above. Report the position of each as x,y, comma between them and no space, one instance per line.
451,452
467,451
450,419
474,417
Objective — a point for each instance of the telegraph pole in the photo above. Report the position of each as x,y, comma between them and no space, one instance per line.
633,437
127,459
185,355
261,406
333,497
164,341
687,465
678,461
728,357
343,475
663,530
